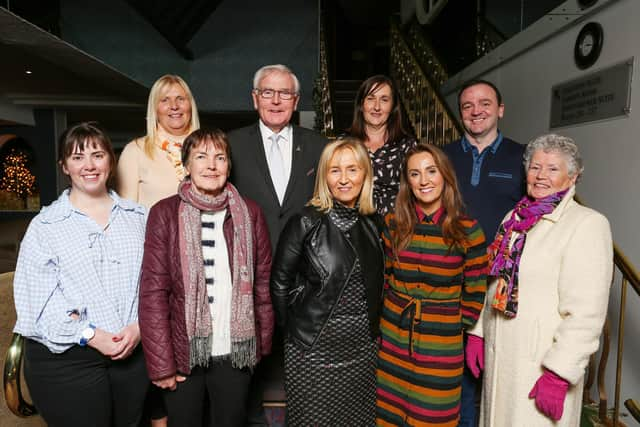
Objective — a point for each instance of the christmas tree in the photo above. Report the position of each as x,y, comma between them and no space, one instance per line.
16,177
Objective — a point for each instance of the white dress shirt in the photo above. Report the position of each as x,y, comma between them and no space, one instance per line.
286,144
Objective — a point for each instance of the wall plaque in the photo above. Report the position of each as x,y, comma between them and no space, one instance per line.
596,96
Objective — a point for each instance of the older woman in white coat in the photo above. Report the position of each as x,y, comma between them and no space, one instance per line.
551,264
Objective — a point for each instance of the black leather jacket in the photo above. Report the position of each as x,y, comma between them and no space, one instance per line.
313,263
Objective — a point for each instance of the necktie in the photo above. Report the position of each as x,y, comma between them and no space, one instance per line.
276,164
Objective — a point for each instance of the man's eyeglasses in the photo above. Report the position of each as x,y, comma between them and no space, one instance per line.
270,93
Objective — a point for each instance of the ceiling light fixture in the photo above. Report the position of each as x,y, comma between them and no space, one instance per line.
28,72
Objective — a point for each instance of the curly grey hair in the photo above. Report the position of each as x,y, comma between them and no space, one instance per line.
560,144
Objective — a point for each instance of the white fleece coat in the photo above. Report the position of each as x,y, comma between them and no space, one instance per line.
564,281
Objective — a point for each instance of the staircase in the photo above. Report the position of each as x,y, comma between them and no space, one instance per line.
418,73
344,96
418,78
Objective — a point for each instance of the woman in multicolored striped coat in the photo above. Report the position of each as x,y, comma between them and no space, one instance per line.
435,282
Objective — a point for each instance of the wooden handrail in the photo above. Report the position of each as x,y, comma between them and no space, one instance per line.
610,416
627,270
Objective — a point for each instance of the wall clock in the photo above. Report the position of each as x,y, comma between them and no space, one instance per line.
588,45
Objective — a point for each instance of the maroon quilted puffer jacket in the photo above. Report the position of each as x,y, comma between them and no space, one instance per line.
161,308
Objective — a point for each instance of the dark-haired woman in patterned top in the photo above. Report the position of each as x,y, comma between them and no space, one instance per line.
377,120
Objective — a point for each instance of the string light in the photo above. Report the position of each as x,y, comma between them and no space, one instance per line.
16,177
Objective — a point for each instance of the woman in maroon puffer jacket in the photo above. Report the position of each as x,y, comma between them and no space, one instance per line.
205,312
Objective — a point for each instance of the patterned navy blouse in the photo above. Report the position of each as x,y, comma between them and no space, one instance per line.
387,166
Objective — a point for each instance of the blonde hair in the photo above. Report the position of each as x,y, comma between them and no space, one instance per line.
322,198
157,90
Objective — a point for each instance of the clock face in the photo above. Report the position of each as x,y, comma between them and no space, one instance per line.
588,45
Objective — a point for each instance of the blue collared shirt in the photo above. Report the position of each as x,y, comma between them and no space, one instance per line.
68,263
478,157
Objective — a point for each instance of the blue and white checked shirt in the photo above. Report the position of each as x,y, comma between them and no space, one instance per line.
68,263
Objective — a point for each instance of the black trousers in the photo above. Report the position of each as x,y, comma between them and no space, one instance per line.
226,389
85,388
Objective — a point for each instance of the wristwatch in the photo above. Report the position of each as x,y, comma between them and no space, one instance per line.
87,334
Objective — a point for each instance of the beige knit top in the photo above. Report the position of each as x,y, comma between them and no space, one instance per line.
145,180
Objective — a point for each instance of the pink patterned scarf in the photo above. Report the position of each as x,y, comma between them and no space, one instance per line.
197,314
505,260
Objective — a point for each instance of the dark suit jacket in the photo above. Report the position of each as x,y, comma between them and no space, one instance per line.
250,173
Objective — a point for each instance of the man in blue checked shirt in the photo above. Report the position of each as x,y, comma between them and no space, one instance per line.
491,178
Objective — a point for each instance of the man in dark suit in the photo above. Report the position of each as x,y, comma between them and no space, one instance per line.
491,178
274,163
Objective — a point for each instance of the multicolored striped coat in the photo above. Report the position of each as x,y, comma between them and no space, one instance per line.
432,293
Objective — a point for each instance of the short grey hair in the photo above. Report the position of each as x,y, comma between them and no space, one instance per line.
275,68
560,144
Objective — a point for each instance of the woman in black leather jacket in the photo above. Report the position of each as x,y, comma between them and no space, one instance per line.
326,286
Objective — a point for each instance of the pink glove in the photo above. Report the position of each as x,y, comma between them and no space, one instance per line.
474,354
550,391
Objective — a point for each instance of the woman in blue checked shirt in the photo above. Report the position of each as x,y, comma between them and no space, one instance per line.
76,294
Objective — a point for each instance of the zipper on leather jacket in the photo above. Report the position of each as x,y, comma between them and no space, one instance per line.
378,238
321,271
334,307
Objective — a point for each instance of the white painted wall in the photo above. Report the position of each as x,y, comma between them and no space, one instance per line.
525,68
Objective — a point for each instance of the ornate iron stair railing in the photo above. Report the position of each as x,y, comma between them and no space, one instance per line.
418,74
322,88
428,113
425,54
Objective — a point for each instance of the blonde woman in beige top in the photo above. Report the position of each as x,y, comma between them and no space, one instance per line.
150,168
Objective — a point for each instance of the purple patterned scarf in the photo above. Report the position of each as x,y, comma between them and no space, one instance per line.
197,314
505,260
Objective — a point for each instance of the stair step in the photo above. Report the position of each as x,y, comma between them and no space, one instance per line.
344,95
343,102
349,85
